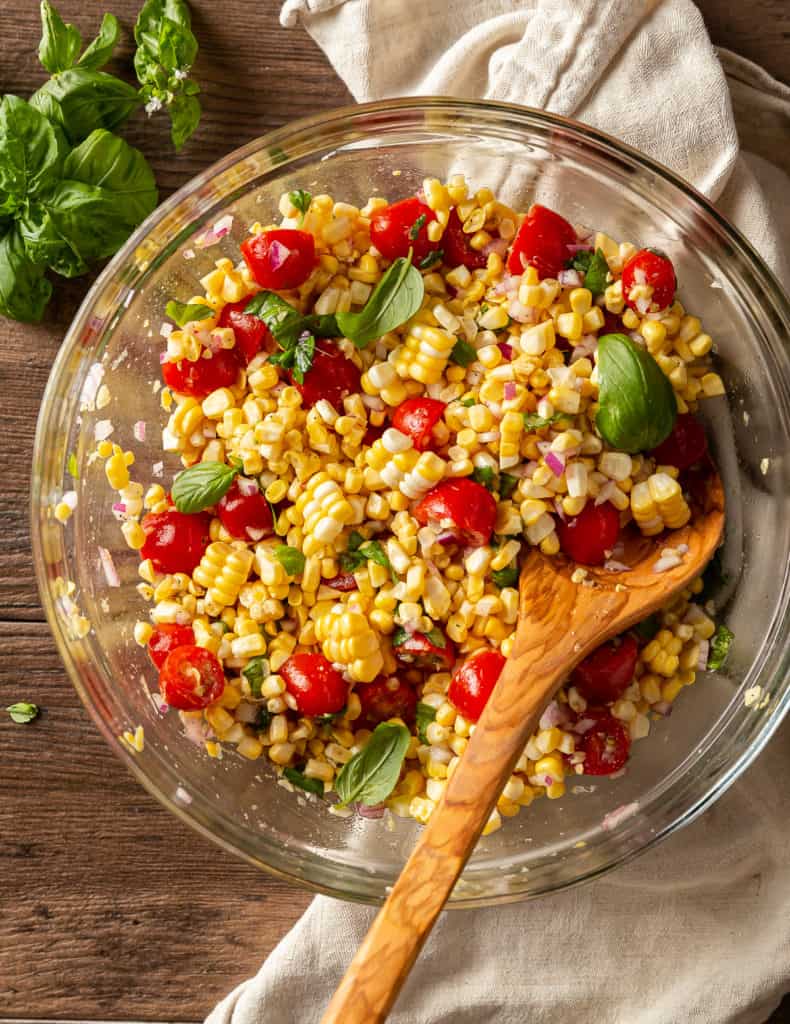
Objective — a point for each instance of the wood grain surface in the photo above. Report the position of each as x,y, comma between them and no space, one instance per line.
109,908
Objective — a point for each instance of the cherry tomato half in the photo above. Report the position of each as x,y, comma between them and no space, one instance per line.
175,541
281,259
605,674
331,376
252,335
686,444
418,650
456,248
165,638
605,743
205,375
317,687
587,537
191,678
473,682
386,698
244,511
649,266
392,228
416,418
542,241
460,505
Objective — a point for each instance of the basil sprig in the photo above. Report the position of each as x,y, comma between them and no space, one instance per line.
361,551
255,671
61,43
395,299
202,485
637,406
301,200
594,267
425,715
291,559
185,312
297,778
372,773
23,712
720,647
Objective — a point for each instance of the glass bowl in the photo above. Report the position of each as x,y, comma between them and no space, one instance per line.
719,725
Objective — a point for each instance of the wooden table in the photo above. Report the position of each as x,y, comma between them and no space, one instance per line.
109,908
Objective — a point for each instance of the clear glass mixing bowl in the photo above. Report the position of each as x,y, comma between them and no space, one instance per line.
719,725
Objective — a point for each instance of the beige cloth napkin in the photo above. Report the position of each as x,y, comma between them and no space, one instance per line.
697,931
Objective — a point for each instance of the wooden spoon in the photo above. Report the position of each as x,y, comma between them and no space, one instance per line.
560,623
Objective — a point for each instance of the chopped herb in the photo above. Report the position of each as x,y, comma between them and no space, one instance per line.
596,275
187,312
467,403
301,200
23,712
291,559
425,715
360,551
533,422
372,773
399,636
297,778
647,628
720,647
463,353
485,475
436,637
293,332
507,577
202,485
72,467
431,259
263,721
507,484
416,227
330,717
255,671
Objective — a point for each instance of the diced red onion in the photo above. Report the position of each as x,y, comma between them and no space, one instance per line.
372,813
246,486
612,565
506,350
197,730
157,469
110,572
555,714
255,533
662,707
70,498
119,507
189,254
640,276
555,462
583,725
497,245
447,537
619,814
487,436
509,392
642,305
166,330
509,284
605,492
139,431
560,510
102,430
278,254
162,358
569,278
704,652
521,313
574,247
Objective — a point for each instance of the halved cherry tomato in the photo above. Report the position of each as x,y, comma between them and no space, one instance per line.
252,335
650,266
205,375
542,241
191,678
317,687
344,582
473,682
456,248
462,506
416,418
417,650
244,511
605,743
587,537
165,638
281,259
331,376
175,541
386,698
605,674
686,444
392,227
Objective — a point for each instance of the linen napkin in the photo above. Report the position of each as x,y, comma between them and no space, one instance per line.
697,929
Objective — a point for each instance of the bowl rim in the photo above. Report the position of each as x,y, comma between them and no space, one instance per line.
326,122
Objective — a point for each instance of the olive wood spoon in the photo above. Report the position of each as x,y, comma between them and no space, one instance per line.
560,622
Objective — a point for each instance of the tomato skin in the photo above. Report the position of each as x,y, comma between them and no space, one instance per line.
418,651
243,509
331,376
390,227
191,678
587,537
282,258
473,682
658,272
317,687
175,541
416,418
685,446
252,334
200,378
380,701
606,744
456,248
542,241
607,673
344,582
468,505
165,638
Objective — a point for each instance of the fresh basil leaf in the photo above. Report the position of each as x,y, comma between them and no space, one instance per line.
31,154
187,312
72,468
163,30
44,242
467,403
507,577
300,200
596,273
507,484
361,551
533,422
416,227
580,260
399,636
202,485
434,257
331,716
264,719
425,715
304,350
647,628
100,50
486,476
60,42
185,112
80,100
720,647
374,552
372,774
436,637
297,778
355,540
286,323
255,672
291,559
23,712
395,299
463,353
637,406
24,291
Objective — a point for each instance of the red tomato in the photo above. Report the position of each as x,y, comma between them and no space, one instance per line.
605,674
686,444
456,248
251,333
191,678
383,699
417,650
344,582
587,537
542,241
373,433
317,687
473,682
605,744
391,229
244,511
281,259
460,505
331,376
649,266
175,541
166,638
205,375
416,418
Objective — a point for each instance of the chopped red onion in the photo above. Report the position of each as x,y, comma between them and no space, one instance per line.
447,537
662,707
574,247
555,714
119,508
509,392
570,278
139,431
373,813
612,565
497,245
197,730
278,254
639,276
642,305
619,814
255,533
704,652
506,350
605,492
560,510
555,462
162,358
246,486
583,725
102,430
166,330
110,572
521,313
157,469
70,498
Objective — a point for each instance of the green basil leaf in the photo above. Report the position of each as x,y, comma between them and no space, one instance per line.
463,353
581,260
399,636
304,350
301,200
355,540
374,552
264,719
185,112
24,291
507,577
486,476
720,647
372,774
395,299
416,227
31,154
637,406
60,42
255,672
286,323
202,485
72,468
23,712
297,778
533,422
596,274
291,559
45,243
467,403
185,312
647,628
507,484
434,257
163,30
436,637
80,100
425,715
100,50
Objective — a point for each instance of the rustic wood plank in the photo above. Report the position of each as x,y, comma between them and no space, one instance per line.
759,30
